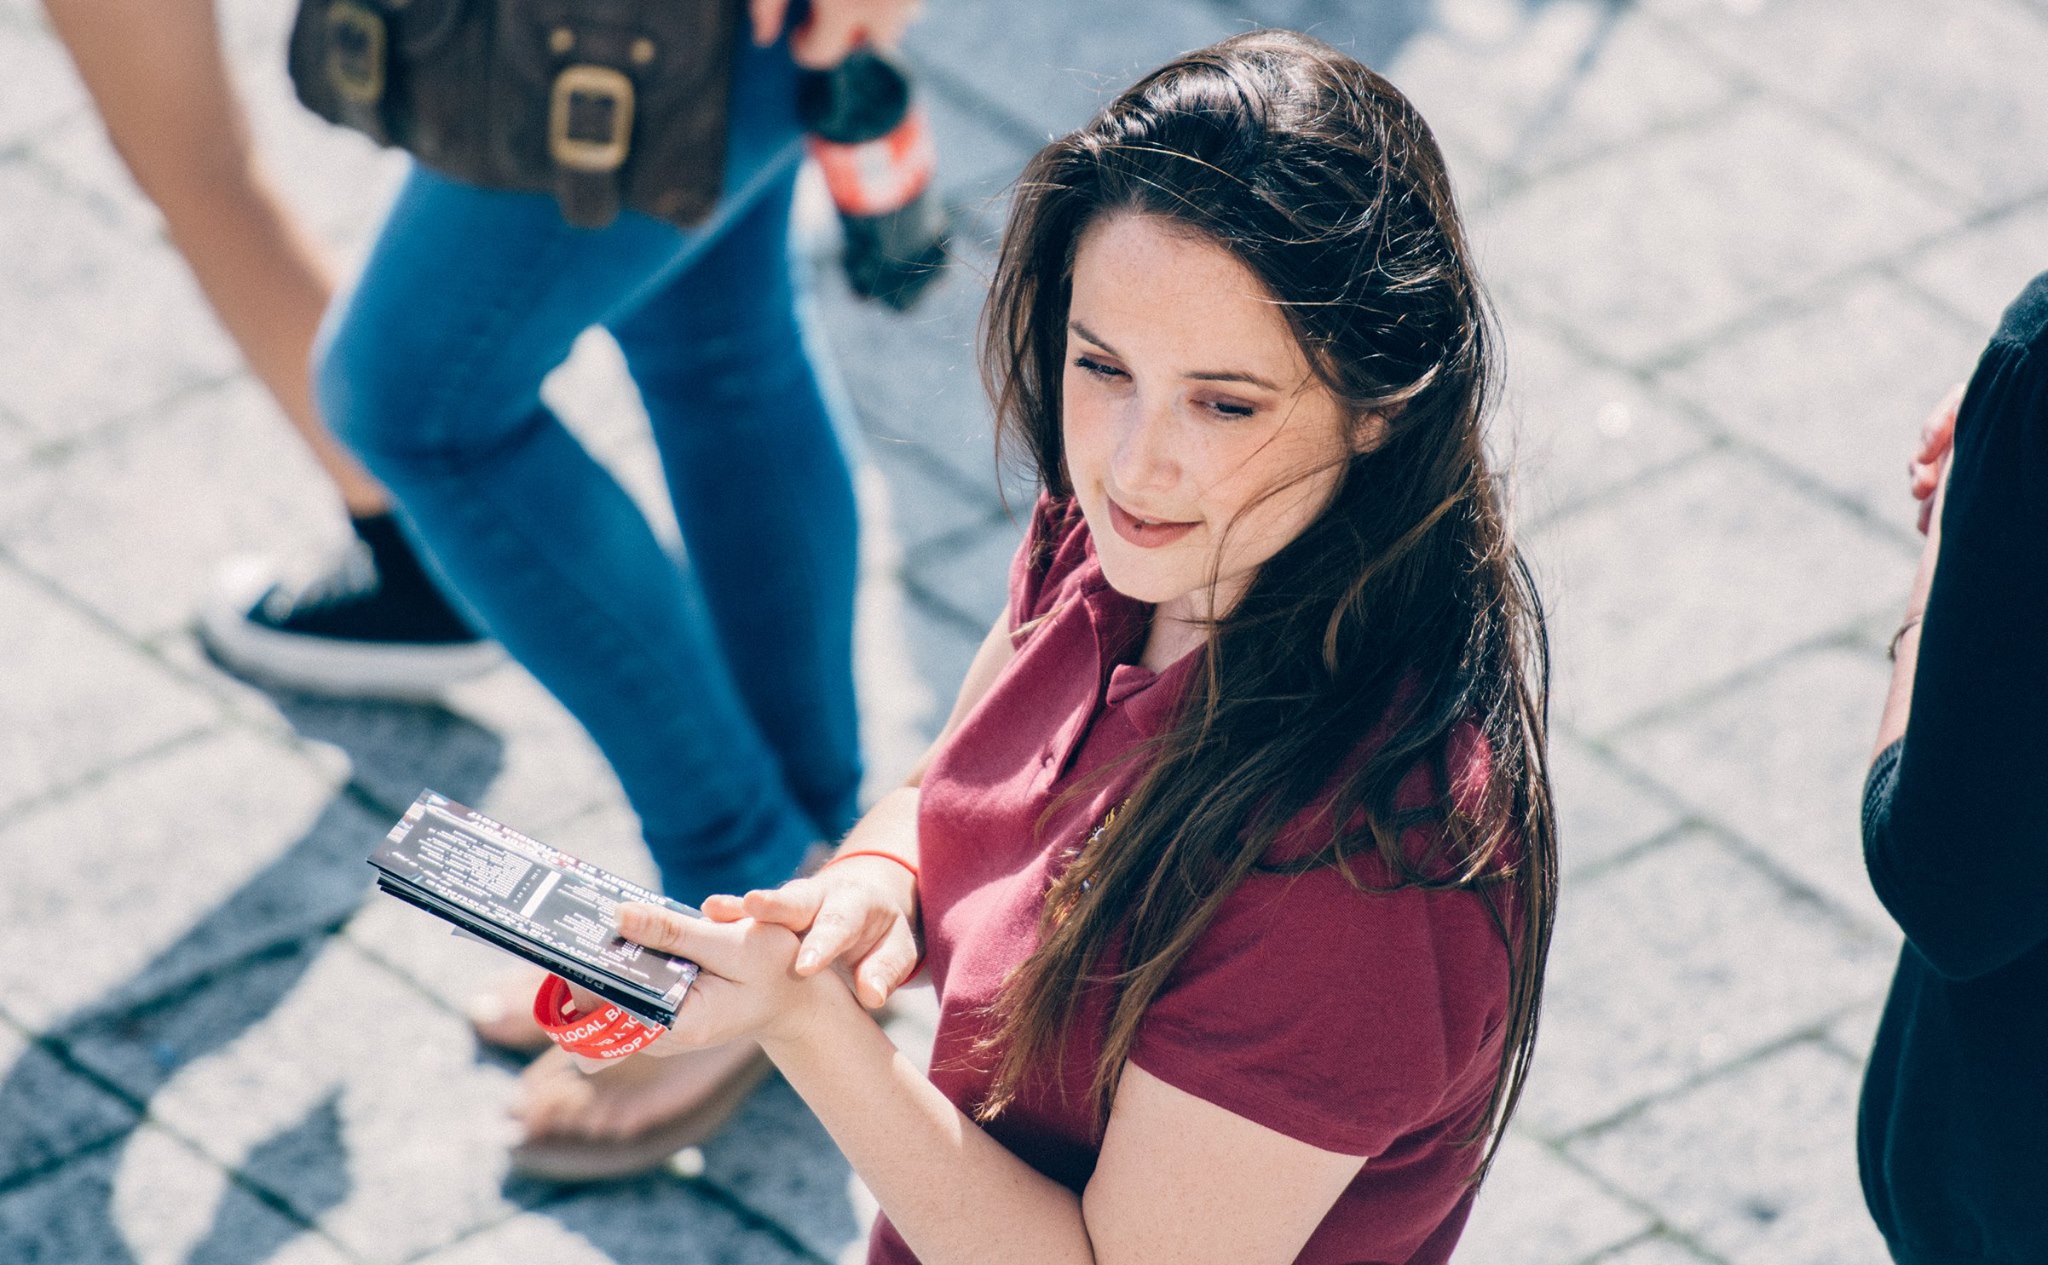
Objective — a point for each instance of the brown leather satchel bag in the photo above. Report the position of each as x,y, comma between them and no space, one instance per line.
604,103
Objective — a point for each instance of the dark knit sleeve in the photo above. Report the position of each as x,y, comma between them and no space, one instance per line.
1955,827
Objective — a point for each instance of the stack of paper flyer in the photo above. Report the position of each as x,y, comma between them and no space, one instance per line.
531,900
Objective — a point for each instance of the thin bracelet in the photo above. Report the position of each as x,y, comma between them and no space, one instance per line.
1892,651
871,852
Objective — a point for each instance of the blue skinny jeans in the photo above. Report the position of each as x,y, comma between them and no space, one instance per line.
720,686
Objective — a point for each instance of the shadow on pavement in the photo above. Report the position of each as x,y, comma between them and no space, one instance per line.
262,938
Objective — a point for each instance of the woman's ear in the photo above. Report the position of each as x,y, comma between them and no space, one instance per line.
1368,433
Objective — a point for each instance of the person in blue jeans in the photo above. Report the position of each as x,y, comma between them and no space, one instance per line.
720,688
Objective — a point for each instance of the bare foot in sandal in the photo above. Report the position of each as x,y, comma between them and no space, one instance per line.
502,1017
630,1117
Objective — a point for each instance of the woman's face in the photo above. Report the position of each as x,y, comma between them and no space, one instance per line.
1198,442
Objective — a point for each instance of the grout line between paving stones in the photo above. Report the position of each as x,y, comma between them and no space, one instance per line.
56,794
62,448
1510,177
61,1053
1811,1033
1848,636
1656,841
1739,72
1713,445
1801,479
1660,1233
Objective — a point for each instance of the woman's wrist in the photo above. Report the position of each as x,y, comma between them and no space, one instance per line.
823,1004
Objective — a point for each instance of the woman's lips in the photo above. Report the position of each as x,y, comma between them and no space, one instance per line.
1145,535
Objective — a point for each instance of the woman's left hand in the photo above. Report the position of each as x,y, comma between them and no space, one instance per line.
746,987
1930,465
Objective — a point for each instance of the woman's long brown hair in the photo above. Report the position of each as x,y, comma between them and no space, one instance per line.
1403,611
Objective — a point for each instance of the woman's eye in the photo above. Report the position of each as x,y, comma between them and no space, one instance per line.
1231,408
1088,364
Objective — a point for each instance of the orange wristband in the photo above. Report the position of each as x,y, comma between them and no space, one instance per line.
609,1033
871,852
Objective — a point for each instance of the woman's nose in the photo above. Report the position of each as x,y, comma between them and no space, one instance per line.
1144,458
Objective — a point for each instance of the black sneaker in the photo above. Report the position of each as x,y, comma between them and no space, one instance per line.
369,623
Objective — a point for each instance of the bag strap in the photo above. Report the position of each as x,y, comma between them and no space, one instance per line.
358,64
590,136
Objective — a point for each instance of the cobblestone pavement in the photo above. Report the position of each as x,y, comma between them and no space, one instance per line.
1739,247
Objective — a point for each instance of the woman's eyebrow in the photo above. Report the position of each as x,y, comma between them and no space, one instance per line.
1214,375
1089,334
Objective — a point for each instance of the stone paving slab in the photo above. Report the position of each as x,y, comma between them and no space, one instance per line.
42,91
1604,808
1690,234
1651,986
1780,760
1648,626
1538,1209
1656,1250
136,521
200,856
351,1098
96,700
153,1201
1576,430
1978,272
656,1221
1913,84
1794,1195
1563,82
35,1138
970,571
91,295
1054,70
1836,420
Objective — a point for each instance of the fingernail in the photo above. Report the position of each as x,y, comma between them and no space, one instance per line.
806,961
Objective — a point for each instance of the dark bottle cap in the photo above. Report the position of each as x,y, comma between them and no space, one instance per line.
861,99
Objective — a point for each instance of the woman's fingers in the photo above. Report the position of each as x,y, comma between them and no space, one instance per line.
792,905
709,944
886,967
766,17
722,908
1938,432
831,32
842,928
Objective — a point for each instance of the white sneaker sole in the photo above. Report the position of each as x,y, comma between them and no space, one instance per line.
323,665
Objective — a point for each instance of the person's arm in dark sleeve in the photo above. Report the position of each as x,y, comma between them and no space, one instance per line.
1955,822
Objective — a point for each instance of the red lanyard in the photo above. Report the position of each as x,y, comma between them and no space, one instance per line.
608,1033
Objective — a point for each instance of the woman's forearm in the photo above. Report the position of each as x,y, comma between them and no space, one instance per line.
956,1195
889,826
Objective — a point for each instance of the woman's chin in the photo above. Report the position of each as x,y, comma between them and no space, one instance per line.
1142,585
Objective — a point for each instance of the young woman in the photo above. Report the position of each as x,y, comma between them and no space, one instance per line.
1234,866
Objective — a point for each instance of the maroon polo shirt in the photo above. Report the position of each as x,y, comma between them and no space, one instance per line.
1358,1022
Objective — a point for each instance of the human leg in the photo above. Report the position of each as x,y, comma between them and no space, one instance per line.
370,621
157,74
763,494
432,373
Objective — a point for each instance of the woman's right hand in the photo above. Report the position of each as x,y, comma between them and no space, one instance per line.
861,911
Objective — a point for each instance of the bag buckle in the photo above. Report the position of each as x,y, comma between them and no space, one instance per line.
356,39
590,118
